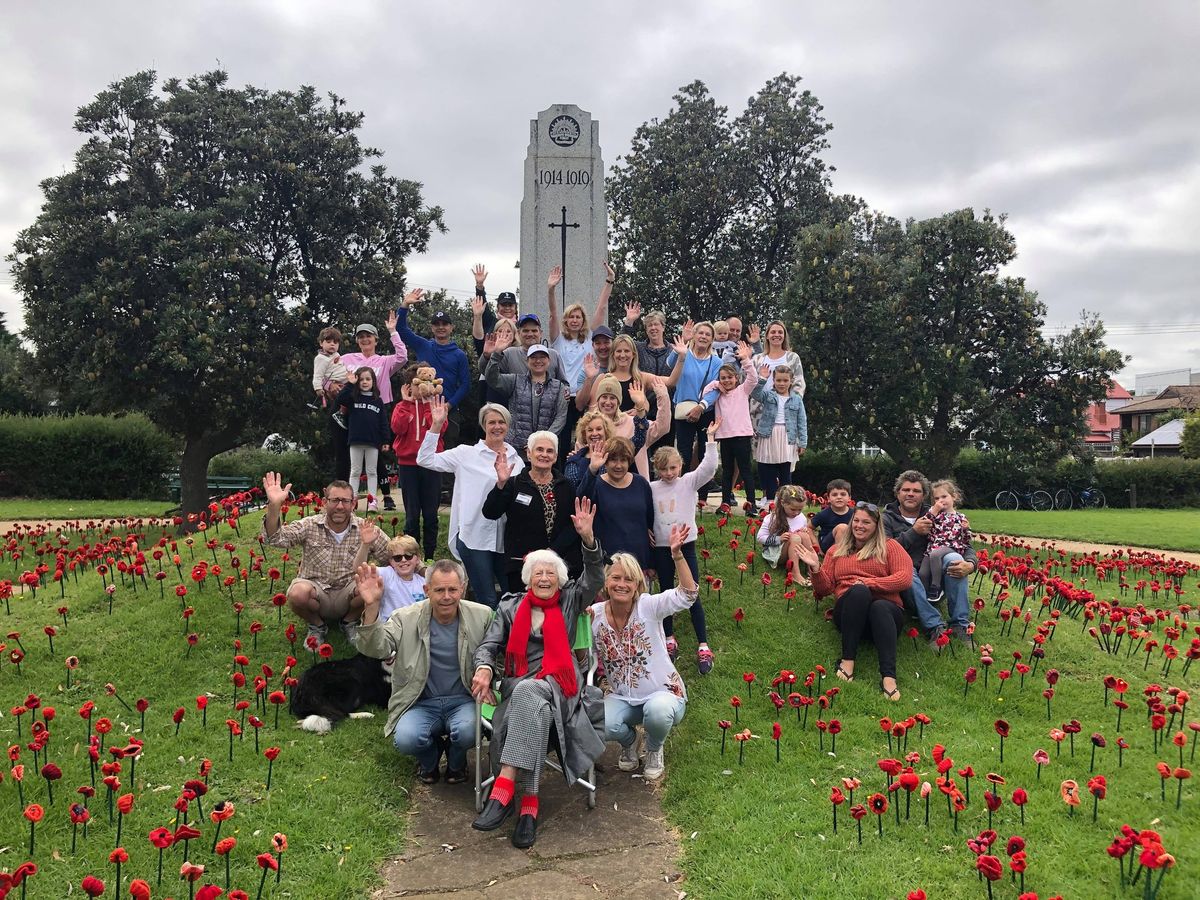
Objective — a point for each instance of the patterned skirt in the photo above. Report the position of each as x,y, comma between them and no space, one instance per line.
775,449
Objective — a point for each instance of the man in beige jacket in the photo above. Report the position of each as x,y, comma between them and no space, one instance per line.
433,642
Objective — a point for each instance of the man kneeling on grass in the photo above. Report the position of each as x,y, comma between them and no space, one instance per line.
323,590
434,642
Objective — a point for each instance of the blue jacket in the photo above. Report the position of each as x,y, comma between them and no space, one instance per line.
448,360
794,415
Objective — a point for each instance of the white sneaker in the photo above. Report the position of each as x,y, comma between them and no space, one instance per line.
629,760
372,507
654,765
350,630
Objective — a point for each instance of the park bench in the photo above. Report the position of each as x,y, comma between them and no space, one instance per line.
218,486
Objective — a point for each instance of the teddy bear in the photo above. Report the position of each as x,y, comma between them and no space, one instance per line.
425,384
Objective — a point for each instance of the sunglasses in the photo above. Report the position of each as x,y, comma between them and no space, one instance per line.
869,507
402,557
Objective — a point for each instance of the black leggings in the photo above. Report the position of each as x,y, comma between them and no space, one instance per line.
736,450
773,477
858,614
421,489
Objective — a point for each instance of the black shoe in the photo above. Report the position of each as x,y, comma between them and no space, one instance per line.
430,777
456,776
493,815
525,833
388,502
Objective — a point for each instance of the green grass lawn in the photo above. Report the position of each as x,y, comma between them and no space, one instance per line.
340,799
18,508
761,829
764,829
1168,529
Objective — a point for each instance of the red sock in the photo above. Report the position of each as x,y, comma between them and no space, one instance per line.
503,790
529,805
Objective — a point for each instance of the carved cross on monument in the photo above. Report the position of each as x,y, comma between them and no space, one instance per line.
562,285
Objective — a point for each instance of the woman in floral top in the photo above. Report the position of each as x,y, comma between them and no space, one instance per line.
643,685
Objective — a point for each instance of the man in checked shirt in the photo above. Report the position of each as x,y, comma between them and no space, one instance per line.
324,590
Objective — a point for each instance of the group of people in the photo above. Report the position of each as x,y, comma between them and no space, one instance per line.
542,535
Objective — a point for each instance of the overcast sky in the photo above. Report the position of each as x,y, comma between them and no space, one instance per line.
1080,120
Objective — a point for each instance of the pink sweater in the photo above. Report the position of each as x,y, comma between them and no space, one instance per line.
733,408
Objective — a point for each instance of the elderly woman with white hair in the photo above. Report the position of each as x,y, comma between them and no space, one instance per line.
544,691
478,542
538,503
644,688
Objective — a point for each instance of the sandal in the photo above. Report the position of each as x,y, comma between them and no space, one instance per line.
893,694
842,673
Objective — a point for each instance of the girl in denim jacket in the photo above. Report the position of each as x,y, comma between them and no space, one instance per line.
780,430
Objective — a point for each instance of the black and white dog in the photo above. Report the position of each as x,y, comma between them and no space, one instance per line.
337,689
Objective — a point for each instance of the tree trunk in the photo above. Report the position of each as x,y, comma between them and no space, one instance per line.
198,450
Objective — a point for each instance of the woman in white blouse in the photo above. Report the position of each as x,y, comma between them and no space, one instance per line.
643,684
474,539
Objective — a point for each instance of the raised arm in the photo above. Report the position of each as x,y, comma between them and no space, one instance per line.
427,454
552,323
600,316
477,305
681,351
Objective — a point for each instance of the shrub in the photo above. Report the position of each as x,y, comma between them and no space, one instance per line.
84,457
252,463
1161,483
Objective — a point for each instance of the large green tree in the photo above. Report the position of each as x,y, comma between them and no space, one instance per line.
705,210
22,390
915,342
204,234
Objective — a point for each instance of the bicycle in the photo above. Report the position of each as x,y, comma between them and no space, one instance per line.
1037,500
1089,498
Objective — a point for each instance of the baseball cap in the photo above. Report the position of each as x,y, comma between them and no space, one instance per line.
442,317
368,328
602,331
529,317
537,348
505,298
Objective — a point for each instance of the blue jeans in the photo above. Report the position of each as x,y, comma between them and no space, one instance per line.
419,729
421,489
657,715
665,566
957,604
484,569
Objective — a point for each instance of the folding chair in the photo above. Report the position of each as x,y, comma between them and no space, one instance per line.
485,711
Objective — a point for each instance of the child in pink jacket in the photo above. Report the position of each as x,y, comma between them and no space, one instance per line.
732,402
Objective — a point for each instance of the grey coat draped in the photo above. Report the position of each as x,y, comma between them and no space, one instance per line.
578,721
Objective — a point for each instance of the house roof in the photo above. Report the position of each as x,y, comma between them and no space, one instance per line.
1167,435
1173,397
1116,392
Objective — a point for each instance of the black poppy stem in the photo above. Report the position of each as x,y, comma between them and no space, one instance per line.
741,755
279,866
217,836
1179,793
989,884
32,826
835,806
859,822
231,745
160,854
927,810
1001,753
74,831
1096,805
271,768
261,882
724,731
879,822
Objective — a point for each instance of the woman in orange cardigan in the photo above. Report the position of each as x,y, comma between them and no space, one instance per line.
865,570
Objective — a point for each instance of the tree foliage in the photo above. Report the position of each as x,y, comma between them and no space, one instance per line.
705,210
914,342
22,390
1189,440
185,263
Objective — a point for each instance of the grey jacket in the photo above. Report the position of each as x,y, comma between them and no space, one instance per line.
530,412
578,721
914,544
406,634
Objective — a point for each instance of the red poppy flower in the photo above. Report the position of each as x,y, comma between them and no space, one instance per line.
1020,797
325,651
92,886
990,867
836,797
1002,728
918,894
776,731
992,800
139,890
225,845
222,810
125,803
1097,786
118,856
78,813
23,871
209,892
267,861
190,871
858,812
878,803
185,833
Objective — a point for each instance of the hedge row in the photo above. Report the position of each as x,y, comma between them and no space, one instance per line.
252,463
89,457
1162,483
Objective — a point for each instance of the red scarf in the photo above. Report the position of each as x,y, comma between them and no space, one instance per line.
557,661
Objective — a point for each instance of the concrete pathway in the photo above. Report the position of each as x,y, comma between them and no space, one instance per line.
1086,547
622,848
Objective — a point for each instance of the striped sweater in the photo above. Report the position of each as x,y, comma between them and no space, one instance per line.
885,580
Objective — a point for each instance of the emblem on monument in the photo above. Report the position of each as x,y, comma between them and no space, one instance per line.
564,131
